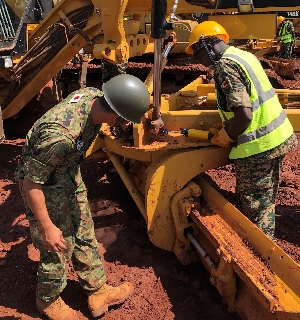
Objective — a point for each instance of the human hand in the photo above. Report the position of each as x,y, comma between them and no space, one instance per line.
53,239
156,126
215,127
221,139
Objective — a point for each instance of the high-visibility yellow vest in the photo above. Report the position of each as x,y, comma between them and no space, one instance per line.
284,34
269,126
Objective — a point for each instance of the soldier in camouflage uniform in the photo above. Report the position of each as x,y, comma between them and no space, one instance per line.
55,196
254,124
286,34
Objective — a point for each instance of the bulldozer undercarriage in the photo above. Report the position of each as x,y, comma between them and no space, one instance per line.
163,172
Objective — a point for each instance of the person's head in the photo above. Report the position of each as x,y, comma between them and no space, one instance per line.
106,114
206,40
279,20
125,96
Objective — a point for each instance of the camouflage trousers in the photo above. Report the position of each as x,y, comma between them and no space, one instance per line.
286,50
257,181
70,212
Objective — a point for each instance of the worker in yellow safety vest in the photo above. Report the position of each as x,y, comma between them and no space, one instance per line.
286,35
254,123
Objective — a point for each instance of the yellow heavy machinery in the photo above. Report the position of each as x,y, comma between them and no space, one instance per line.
184,214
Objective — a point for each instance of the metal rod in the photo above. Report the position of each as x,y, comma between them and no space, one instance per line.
202,252
157,77
131,187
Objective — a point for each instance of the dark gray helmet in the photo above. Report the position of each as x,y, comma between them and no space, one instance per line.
128,96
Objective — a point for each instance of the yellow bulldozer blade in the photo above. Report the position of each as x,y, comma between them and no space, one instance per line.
257,279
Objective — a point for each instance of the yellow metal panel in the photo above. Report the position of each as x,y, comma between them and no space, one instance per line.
167,177
112,13
127,152
138,6
205,88
248,26
97,144
173,100
139,44
192,119
141,7
294,117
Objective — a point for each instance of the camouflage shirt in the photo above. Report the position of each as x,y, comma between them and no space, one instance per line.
57,142
110,70
232,84
234,89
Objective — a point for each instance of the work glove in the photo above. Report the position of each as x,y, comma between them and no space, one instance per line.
221,139
215,127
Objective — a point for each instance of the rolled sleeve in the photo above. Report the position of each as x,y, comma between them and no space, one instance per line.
49,150
238,99
233,85
36,171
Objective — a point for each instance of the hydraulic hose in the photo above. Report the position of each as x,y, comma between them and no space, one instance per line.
43,51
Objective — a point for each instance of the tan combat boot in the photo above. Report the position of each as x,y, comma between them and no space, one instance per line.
107,296
56,310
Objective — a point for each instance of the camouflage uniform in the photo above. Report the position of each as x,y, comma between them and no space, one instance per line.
110,70
286,47
257,177
54,148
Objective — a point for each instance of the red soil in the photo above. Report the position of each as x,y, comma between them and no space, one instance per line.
164,289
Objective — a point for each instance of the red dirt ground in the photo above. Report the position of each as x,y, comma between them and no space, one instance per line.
164,289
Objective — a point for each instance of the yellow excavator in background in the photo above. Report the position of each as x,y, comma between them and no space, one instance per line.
255,277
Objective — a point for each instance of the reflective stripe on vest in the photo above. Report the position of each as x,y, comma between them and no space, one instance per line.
262,96
269,126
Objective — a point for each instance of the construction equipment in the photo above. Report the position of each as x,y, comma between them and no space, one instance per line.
41,40
184,214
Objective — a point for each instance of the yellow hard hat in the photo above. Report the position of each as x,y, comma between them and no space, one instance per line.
207,29
280,19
